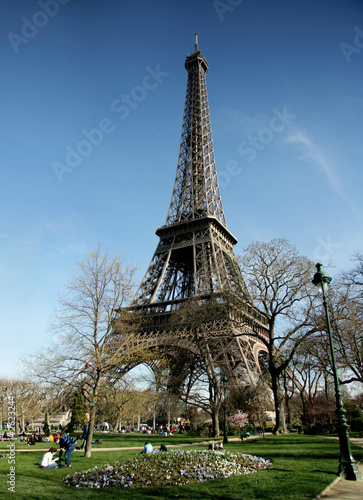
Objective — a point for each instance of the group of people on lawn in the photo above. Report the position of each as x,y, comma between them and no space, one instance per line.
68,445
148,448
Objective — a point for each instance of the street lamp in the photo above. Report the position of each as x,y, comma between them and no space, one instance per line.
224,380
347,465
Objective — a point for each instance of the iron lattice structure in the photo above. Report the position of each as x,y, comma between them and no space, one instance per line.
195,259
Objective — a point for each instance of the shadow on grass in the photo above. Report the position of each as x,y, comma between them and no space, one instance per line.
319,471
275,469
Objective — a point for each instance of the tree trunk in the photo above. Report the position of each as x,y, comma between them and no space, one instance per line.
303,404
215,423
23,422
280,426
217,432
16,423
91,425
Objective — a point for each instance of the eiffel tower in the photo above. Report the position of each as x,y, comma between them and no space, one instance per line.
195,259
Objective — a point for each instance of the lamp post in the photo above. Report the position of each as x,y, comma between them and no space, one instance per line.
224,380
347,465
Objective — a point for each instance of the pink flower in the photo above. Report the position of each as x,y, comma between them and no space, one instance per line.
239,419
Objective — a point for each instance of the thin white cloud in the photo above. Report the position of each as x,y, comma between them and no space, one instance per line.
312,152
233,121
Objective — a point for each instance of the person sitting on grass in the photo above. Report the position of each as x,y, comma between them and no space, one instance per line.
68,445
47,462
148,448
30,441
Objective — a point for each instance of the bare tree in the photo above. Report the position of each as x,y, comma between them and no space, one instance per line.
205,394
201,382
5,392
118,403
279,282
311,368
255,400
184,373
353,279
31,401
94,338
347,327
346,305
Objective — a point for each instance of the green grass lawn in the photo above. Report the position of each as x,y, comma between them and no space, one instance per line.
302,467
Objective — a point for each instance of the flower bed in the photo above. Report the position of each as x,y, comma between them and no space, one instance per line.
175,467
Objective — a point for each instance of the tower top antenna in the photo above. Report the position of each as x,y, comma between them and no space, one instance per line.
196,41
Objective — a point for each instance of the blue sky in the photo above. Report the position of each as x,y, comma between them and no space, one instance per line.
286,101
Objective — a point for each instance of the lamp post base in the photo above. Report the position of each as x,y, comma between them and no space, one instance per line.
347,465
350,472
